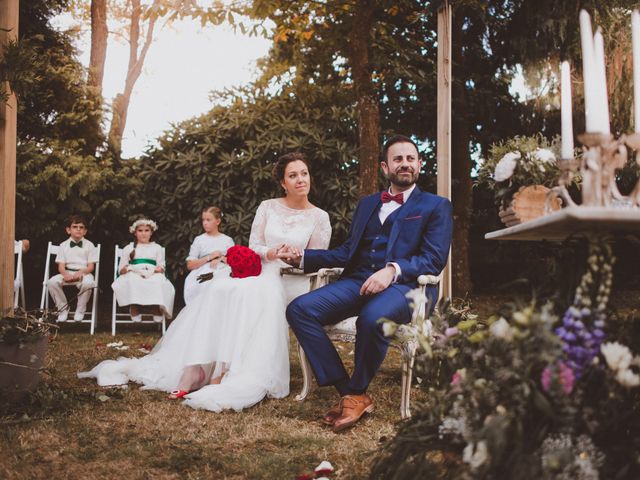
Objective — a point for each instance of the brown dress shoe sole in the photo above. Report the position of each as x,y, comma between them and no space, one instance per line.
338,428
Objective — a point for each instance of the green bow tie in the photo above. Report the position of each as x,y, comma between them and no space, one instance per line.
76,244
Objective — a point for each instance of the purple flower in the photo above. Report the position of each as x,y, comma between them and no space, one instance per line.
579,343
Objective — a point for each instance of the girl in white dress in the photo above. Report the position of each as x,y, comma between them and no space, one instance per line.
142,280
206,251
229,347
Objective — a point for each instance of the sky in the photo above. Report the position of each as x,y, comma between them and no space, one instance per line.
184,64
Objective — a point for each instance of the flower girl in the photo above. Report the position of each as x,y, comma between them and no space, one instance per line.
205,252
142,280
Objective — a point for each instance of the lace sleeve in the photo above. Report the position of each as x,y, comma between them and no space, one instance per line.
257,241
321,235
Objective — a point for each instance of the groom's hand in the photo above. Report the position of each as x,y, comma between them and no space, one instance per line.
290,255
378,281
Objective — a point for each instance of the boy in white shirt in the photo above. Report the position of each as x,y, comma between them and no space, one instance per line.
76,261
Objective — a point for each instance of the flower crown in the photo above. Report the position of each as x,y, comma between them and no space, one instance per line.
143,221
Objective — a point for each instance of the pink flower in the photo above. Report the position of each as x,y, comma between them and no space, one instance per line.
545,378
560,373
458,376
567,378
451,331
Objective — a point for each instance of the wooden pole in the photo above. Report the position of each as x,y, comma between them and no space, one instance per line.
443,146
8,120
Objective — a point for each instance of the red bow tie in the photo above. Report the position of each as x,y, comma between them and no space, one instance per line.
386,197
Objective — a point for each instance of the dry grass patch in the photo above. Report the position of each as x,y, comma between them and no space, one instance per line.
64,430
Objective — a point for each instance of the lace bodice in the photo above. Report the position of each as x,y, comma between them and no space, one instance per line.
276,224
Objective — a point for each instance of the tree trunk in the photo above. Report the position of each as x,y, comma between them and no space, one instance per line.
136,61
461,185
367,100
99,35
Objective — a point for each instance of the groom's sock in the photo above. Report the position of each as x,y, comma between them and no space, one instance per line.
343,387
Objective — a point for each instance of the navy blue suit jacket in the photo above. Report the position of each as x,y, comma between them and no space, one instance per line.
419,240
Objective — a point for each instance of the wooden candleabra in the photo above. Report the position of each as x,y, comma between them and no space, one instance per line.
603,156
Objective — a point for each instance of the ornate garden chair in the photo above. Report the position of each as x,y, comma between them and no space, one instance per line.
52,252
18,283
345,331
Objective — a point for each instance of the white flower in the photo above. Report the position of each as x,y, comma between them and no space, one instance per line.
544,155
416,296
502,329
620,359
389,328
506,166
475,454
618,356
627,378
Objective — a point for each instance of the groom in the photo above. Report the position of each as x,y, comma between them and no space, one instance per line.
395,236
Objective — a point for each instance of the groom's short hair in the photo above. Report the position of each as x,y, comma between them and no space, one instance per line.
393,140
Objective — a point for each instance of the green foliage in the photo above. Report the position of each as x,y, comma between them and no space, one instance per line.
58,131
504,403
225,158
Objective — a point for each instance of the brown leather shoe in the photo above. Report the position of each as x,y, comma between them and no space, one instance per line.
353,408
332,414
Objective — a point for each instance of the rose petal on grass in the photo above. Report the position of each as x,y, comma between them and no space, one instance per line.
324,468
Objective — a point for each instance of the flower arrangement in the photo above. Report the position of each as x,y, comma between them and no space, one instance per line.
527,393
519,162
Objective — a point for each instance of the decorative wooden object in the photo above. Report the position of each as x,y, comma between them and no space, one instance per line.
527,204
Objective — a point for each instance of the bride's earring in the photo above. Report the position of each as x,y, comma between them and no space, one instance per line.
285,191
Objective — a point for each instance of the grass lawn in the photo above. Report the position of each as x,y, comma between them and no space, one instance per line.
70,428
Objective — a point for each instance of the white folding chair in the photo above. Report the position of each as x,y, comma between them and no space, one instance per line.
125,316
52,252
18,283
345,331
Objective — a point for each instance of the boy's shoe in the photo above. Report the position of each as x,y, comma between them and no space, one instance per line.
78,316
158,318
63,315
136,318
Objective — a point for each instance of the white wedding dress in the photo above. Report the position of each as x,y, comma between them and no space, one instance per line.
237,326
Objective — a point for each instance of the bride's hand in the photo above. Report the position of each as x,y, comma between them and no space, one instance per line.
272,253
291,255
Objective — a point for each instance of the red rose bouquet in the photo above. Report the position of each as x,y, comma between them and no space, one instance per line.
244,262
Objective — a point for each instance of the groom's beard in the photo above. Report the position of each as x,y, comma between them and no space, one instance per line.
403,180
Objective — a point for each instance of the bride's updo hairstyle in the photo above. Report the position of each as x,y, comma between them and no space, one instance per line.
281,165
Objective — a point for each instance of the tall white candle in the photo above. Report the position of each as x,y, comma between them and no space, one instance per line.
588,72
635,30
601,77
566,113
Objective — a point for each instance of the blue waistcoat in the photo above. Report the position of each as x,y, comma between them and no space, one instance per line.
370,254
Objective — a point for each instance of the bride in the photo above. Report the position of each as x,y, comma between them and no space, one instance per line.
229,347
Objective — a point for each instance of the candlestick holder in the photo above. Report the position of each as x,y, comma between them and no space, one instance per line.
603,156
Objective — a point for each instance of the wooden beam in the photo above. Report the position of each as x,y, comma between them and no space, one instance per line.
443,146
8,120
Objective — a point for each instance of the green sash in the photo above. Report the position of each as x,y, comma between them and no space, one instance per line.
138,261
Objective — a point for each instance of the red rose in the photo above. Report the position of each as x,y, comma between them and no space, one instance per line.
244,262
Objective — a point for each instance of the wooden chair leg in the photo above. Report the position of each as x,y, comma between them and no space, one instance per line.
306,375
407,374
